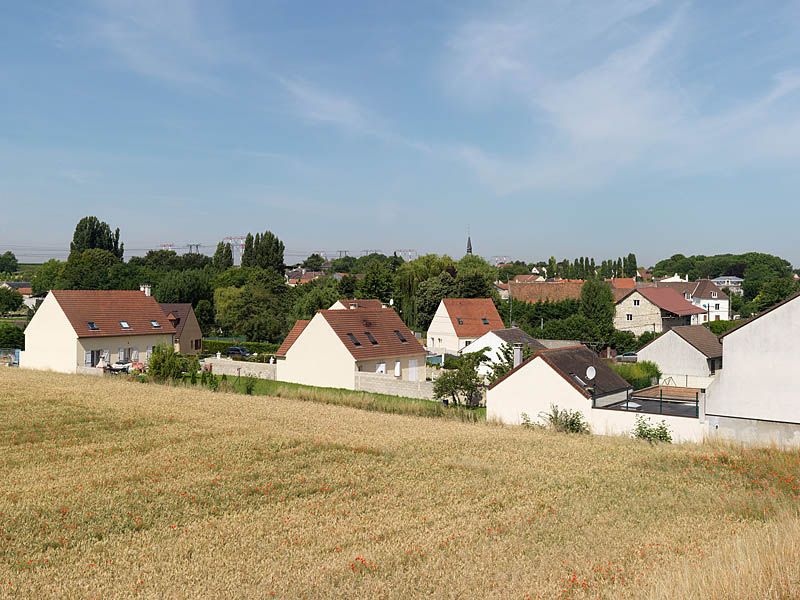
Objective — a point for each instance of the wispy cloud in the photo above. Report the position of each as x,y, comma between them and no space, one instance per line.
606,87
315,104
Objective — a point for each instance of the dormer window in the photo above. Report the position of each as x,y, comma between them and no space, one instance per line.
713,294
459,320
92,326
155,324
485,321
124,325
371,338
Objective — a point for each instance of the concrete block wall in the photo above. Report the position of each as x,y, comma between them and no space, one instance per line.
389,384
241,368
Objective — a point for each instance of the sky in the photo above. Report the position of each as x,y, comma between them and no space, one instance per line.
561,128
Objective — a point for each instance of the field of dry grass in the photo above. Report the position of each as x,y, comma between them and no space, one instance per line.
117,489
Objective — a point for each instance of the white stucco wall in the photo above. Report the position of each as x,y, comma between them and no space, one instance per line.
128,343
761,361
319,358
617,422
532,390
680,363
50,342
441,337
493,343
713,313
646,316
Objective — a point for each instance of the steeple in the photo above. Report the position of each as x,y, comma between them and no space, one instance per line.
469,242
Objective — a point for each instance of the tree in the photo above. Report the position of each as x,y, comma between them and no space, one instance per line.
431,292
10,300
11,336
8,262
631,268
505,361
597,303
259,311
314,262
204,311
184,286
461,386
88,270
264,250
772,292
347,286
46,276
344,264
223,256
377,283
314,296
91,233
552,268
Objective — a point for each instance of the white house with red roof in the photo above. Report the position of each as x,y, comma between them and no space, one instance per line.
330,349
76,330
460,321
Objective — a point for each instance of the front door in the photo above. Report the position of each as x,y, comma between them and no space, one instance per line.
412,369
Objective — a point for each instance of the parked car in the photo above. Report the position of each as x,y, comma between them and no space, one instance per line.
629,357
237,351
120,366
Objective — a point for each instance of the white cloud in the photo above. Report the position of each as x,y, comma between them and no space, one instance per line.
315,104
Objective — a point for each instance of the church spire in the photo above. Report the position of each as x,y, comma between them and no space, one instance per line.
469,242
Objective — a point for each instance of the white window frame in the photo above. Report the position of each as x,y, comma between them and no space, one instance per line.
398,369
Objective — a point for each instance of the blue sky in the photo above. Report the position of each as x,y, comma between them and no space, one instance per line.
566,128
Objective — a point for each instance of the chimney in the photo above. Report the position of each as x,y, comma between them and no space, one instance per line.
146,288
353,305
517,354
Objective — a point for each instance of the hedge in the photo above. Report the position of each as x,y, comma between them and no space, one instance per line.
214,346
639,374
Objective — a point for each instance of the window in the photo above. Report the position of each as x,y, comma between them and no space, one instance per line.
400,336
124,325
636,302
197,344
485,321
155,324
459,320
687,295
713,294
381,368
397,369
716,306
92,326
629,317
353,339
371,338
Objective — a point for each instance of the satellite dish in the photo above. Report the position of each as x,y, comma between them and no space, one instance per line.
591,372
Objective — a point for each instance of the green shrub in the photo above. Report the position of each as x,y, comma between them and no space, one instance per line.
167,365
644,430
564,420
249,385
639,374
720,327
214,346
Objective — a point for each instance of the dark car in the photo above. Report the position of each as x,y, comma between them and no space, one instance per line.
237,351
628,357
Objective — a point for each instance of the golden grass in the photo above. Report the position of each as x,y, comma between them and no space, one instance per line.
118,489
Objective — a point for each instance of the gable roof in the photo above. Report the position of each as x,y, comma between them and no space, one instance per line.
622,283
472,317
181,311
298,328
515,335
571,363
372,303
18,285
666,299
354,328
757,317
701,288
546,291
701,338
107,308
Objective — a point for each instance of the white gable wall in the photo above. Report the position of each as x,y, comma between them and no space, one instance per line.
761,362
318,357
51,343
493,343
680,363
531,390
442,336
645,316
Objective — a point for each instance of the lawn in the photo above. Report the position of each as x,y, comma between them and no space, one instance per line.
113,488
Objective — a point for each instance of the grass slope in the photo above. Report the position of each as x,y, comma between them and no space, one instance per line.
114,488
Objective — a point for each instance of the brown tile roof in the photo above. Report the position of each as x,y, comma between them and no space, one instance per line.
622,283
372,303
666,299
107,308
701,288
546,291
532,278
472,317
571,363
180,311
292,336
701,338
370,334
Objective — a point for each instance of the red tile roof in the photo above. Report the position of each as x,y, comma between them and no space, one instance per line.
546,291
622,283
107,308
472,317
298,328
372,303
384,326
669,300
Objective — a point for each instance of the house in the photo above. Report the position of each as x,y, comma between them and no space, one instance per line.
188,335
732,283
622,283
492,342
673,279
74,330
546,291
532,278
460,321
644,274
689,356
572,378
653,309
502,289
755,398
351,303
301,276
330,349
24,289
706,294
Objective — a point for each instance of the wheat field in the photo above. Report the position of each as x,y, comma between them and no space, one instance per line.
112,488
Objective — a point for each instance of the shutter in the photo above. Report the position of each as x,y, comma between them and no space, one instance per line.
135,355
121,355
397,369
87,358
